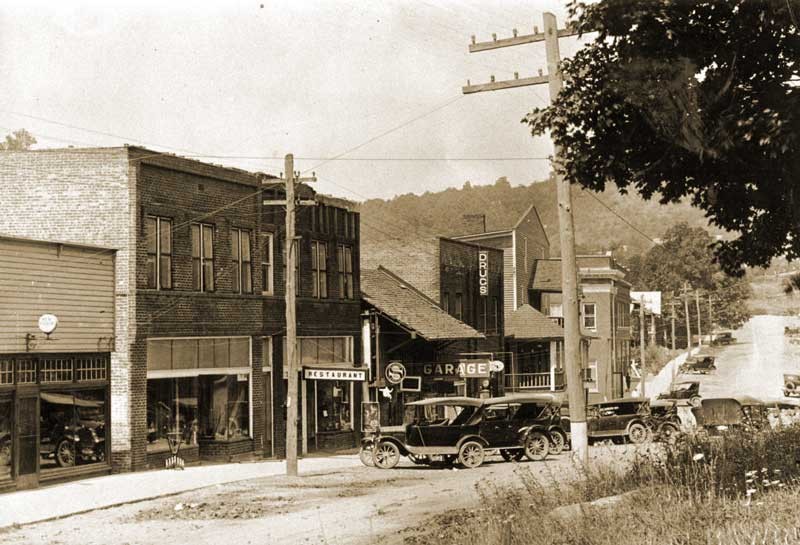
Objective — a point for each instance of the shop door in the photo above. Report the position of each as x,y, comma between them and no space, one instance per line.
26,452
268,426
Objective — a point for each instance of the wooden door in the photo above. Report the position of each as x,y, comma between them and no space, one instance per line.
269,428
26,451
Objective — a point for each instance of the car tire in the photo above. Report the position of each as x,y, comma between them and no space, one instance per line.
695,401
669,433
638,433
512,455
558,441
386,455
471,454
537,446
65,453
366,456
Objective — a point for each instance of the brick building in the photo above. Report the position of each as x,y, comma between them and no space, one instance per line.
198,302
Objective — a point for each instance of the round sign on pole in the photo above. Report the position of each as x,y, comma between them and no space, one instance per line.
496,366
48,323
395,372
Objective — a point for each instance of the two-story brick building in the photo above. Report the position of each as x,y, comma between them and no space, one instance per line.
198,302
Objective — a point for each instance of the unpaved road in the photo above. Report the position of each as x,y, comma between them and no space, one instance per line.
353,507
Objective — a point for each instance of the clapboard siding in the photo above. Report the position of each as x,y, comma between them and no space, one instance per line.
508,283
76,284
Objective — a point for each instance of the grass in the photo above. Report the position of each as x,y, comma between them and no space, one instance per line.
739,489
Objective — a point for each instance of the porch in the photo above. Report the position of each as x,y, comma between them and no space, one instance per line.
525,382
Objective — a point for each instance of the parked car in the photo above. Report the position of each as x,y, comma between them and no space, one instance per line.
664,420
627,418
701,365
687,390
465,429
791,385
718,415
74,430
722,338
782,412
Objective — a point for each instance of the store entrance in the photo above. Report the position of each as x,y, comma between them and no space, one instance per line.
26,459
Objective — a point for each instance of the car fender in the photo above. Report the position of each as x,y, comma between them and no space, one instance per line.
390,439
477,438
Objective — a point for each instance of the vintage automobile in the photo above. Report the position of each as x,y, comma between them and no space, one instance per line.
719,338
74,431
791,385
626,418
782,412
462,429
687,390
719,415
698,365
664,420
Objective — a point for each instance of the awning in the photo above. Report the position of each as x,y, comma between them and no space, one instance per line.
65,399
410,308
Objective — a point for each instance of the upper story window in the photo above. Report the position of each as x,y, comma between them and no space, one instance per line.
319,269
267,258
296,266
589,315
556,310
159,252
241,266
446,302
202,257
344,261
458,311
623,315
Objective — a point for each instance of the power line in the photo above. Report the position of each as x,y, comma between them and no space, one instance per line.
621,217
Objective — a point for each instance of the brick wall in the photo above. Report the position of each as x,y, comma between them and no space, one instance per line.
82,196
416,262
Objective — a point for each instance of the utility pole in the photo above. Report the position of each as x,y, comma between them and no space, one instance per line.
290,203
652,328
672,315
642,365
569,269
685,293
710,318
699,331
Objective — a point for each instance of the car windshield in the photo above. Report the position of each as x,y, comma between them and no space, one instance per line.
683,387
440,415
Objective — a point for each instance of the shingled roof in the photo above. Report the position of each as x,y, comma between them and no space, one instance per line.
547,275
410,308
528,323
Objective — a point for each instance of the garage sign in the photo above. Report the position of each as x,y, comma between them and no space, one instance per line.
474,369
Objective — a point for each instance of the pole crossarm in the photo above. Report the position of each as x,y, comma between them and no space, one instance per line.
476,47
505,84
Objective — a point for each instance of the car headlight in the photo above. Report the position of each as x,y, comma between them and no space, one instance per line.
722,428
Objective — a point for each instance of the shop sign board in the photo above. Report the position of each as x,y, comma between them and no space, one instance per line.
395,372
48,323
462,369
483,273
474,369
411,384
310,373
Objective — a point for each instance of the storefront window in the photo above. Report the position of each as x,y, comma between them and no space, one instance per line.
224,407
333,405
6,424
171,412
72,428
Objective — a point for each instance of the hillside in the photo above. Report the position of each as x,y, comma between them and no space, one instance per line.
411,216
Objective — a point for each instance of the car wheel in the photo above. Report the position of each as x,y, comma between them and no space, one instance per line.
638,433
695,401
537,446
669,433
471,454
365,455
512,455
557,441
386,455
65,453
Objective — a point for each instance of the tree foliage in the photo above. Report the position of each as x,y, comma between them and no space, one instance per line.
686,259
18,140
697,99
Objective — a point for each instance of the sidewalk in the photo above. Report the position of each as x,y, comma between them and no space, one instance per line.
660,383
76,497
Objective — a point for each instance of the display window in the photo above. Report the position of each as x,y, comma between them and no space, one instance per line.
334,405
72,428
171,412
6,428
224,408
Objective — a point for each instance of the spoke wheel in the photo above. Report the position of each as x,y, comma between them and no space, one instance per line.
638,433
386,455
65,453
512,455
365,455
471,454
557,442
669,433
537,446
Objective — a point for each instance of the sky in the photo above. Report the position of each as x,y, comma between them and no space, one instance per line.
365,94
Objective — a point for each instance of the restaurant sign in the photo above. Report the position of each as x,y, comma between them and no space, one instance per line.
483,273
309,373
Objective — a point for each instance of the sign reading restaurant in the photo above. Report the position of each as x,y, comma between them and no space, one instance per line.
334,374
483,273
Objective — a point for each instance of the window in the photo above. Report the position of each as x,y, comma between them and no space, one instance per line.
241,271
344,259
6,431
333,405
266,266
64,413
171,412
556,310
459,307
446,302
319,269
321,216
202,257
158,232
223,407
296,266
590,316
591,376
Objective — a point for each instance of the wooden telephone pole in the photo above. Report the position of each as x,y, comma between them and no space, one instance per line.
569,269
672,319
642,363
699,331
290,244
685,293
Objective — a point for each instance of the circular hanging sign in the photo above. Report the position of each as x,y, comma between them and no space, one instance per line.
496,366
395,372
48,323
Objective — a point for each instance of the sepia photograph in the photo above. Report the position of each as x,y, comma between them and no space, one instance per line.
412,272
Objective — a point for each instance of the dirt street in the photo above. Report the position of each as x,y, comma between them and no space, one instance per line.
355,506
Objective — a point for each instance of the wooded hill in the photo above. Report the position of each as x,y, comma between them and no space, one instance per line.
407,217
